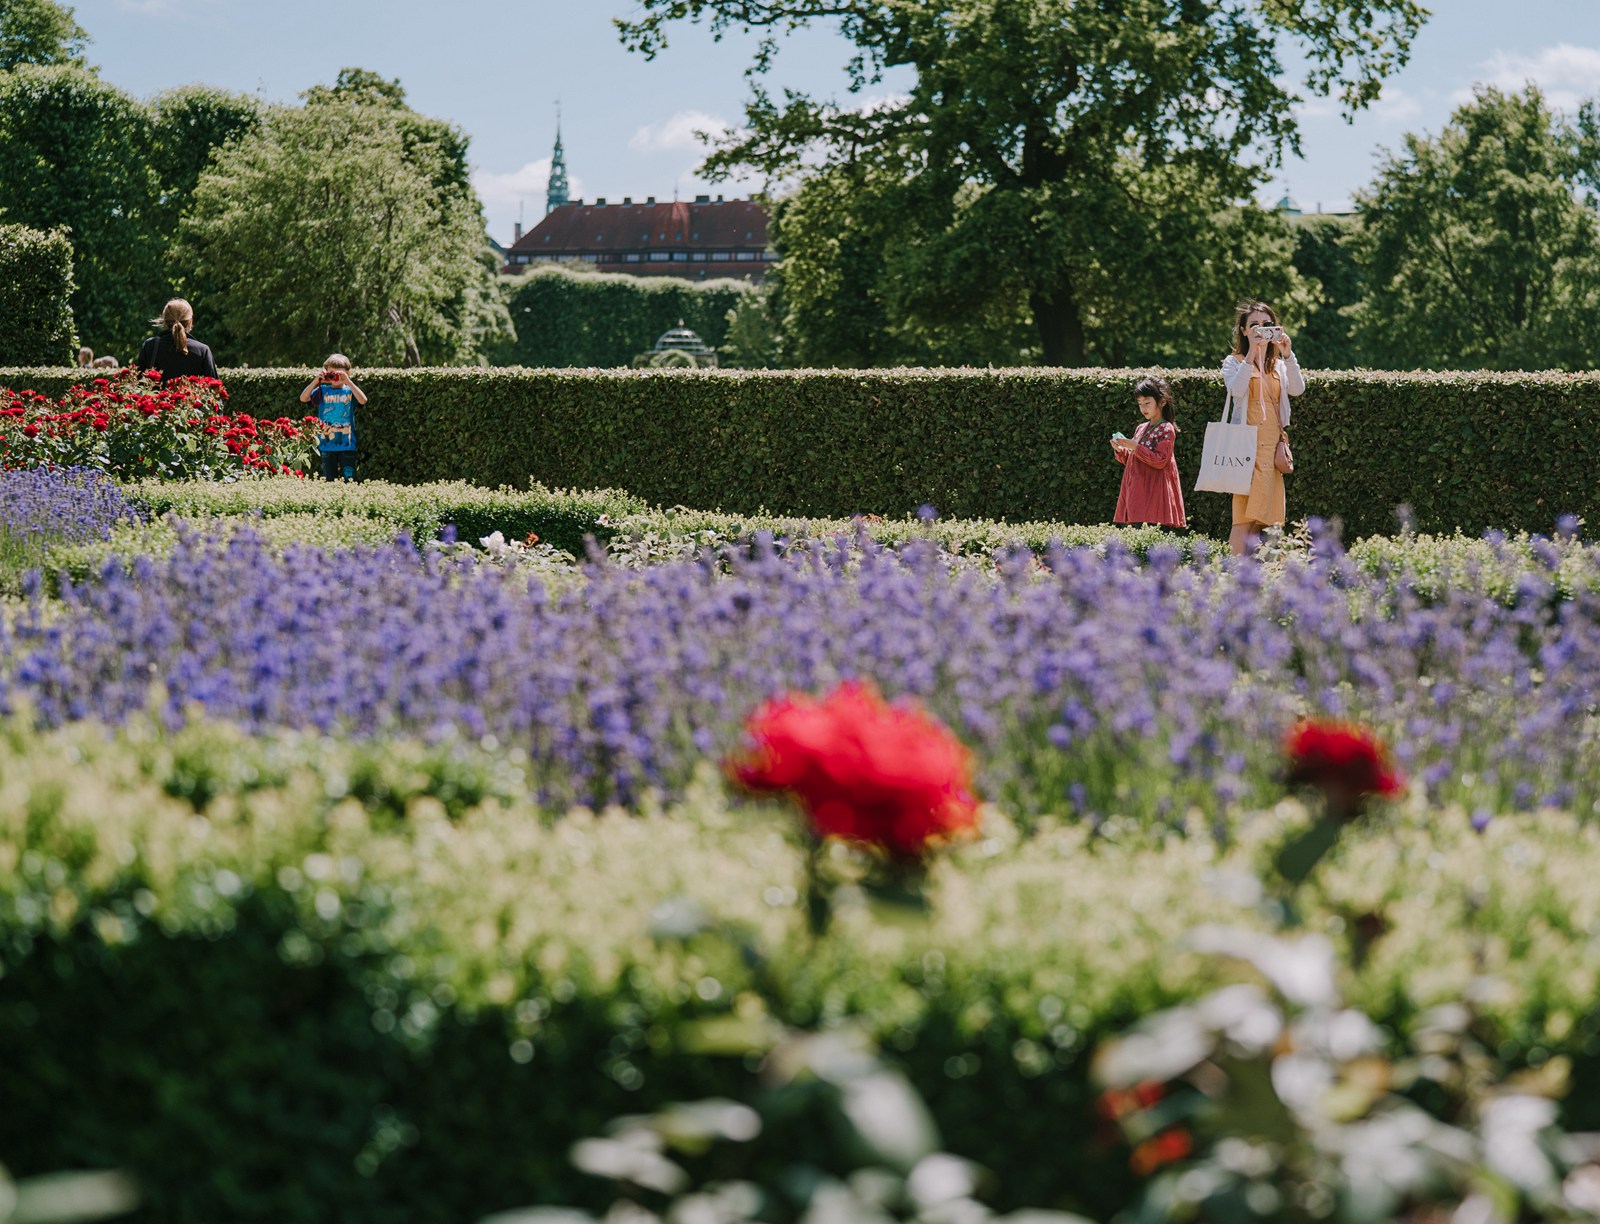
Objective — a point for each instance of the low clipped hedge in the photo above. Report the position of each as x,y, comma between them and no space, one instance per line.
295,978
1468,451
559,517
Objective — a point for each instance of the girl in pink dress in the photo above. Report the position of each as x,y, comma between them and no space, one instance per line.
1150,492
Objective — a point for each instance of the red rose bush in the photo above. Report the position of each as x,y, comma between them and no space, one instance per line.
131,426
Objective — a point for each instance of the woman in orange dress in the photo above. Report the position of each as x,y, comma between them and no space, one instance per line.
1261,372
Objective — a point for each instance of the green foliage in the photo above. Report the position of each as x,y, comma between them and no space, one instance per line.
1481,249
190,123
1323,253
755,329
474,319
1017,445
39,32
387,968
854,298
567,318
68,143
361,86
386,251
1083,168
558,517
35,297
680,533
78,153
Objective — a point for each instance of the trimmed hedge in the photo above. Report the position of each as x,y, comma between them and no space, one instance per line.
294,978
558,517
578,319
36,326
1468,451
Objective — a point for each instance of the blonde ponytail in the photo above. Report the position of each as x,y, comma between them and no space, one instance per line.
177,316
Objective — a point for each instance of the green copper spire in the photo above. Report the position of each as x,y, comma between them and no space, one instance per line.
556,193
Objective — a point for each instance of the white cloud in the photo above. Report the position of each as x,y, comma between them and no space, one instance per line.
517,195
679,132
1394,106
1567,74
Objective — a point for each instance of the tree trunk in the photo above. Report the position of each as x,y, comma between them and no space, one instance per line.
1055,314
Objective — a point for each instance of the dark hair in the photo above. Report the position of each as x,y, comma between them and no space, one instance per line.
1246,308
1160,390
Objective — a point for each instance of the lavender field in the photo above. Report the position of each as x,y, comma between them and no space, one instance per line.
1089,681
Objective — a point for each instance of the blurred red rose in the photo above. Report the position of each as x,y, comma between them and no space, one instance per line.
1348,762
884,775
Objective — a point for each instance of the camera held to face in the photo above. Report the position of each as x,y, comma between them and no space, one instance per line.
330,376
1267,331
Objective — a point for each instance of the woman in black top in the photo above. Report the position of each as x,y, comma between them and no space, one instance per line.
174,352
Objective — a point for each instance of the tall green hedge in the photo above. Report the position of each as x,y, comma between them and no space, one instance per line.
35,294
1471,451
575,319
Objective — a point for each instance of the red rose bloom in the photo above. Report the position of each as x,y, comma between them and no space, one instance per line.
30,431
863,770
1348,762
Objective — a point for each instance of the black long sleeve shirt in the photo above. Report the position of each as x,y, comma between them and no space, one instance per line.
160,353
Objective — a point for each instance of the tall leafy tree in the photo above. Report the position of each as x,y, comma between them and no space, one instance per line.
39,32
78,154
476,320
1482,245
322,230
1324,253
74,154
1082,153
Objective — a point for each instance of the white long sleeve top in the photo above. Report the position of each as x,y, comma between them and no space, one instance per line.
1236,375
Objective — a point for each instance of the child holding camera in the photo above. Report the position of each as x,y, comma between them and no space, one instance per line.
1261,372
1151,494
334,396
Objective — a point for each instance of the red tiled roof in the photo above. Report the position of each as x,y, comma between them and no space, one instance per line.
597,228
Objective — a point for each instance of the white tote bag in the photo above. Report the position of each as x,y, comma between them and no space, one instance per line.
1228,459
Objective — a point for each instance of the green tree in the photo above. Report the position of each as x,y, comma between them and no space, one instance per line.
1057,151
1324,253
189,123
862,289
755,329
1481,246
73,154
475,320
319,232
39,32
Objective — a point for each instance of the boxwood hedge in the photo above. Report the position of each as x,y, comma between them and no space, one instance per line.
295,978
1468,451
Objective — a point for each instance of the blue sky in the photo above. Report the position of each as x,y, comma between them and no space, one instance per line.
496,68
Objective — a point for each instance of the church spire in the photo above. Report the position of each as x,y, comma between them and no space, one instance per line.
556,193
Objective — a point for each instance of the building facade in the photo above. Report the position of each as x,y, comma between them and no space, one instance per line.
703,240
700,240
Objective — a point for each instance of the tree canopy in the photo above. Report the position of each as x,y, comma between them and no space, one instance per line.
1482,244
326,229
1084,158
39,32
